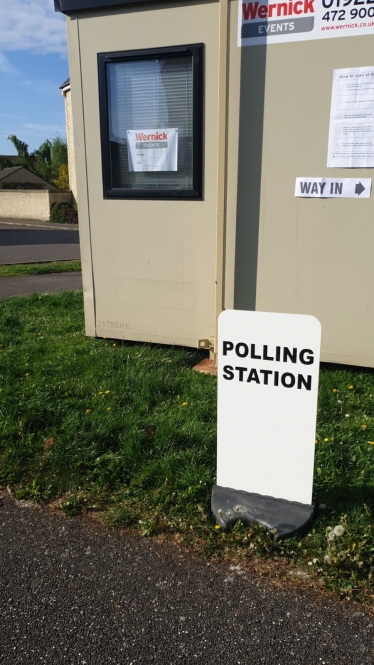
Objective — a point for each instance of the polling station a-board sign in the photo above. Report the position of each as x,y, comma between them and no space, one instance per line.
266,22
268,368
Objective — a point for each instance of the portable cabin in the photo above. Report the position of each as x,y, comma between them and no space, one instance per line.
195,123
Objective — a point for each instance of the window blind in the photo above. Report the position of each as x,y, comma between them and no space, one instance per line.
151,94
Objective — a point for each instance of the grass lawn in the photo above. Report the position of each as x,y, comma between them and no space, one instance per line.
129,431
39,268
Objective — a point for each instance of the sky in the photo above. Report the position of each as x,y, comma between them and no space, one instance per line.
33,64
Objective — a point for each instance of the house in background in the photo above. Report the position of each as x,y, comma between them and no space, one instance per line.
66,92
25,195
19,177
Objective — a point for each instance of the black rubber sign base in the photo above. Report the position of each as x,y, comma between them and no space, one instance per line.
286,518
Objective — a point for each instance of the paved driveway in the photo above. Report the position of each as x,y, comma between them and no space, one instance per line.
24,244
73,593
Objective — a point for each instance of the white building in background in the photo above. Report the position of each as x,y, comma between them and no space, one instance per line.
66,92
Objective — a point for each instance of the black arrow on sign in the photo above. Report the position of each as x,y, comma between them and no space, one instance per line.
359,188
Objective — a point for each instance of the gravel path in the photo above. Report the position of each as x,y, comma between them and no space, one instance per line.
75,593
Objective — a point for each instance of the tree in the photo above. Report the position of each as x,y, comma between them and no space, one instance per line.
46,161
59,155
62,182
43,159
22,148
5,163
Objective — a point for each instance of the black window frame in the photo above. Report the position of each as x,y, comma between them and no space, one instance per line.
197,53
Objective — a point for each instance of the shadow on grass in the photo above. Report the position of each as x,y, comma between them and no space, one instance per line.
354,369
345,499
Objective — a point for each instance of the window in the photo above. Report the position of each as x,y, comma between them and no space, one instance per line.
151,123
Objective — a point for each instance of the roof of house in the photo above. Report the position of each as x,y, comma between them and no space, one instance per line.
20,174
65,84
11,169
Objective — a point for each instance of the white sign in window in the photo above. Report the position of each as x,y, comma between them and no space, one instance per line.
152,149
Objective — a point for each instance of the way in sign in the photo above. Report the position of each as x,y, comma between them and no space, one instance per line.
325,188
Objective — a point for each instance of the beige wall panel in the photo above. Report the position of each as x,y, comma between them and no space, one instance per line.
314,256
233,106
153,261
81,173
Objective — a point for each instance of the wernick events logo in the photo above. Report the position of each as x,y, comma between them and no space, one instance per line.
271,22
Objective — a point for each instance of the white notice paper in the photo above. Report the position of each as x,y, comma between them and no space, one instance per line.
333,188
152,149
351,136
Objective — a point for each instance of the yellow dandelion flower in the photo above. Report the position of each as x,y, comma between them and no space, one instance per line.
217,526
334,390
371,443
184,403
106,344
100,393
109,408
88,410
350,387
27,374
316,441
104,336
107,392
363,426
1,390
114,344
326,439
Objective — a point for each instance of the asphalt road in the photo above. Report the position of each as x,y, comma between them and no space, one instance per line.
25,285
73,593
24,244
